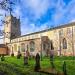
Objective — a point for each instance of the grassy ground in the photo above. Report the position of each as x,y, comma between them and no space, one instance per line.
14,66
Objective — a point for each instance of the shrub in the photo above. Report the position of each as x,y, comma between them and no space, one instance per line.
2,58
12,54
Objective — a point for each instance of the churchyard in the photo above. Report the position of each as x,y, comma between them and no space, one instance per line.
11,65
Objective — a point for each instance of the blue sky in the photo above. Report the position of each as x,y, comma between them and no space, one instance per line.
37,15
40,14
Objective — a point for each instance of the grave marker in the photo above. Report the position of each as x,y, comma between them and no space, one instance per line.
37,64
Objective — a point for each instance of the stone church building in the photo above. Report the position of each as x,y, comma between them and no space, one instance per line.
61,38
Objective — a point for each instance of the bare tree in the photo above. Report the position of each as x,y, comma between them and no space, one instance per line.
5,5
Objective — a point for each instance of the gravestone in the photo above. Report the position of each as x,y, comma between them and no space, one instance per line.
64,68
18,55
26,58
37,63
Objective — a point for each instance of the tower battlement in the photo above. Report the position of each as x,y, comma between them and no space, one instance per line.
11,28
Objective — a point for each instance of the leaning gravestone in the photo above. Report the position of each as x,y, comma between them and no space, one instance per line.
12,54
37,64
26,58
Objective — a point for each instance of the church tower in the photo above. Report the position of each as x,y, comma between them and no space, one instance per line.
11,28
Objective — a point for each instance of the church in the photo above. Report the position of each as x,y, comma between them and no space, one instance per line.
61,38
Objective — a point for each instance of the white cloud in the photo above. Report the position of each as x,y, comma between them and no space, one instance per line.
31,27
28,29
16,11
1,27
63,13
1,41
72,20
37,7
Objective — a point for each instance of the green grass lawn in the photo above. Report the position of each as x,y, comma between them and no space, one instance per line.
14,66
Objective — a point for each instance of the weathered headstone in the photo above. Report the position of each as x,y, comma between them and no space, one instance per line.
26,58
18,55
37,64
64,68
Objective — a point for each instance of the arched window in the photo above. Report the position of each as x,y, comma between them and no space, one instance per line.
15,47
22,47
32,46
64,44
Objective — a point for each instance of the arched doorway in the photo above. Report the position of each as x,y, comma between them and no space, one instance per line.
46,48
45,45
